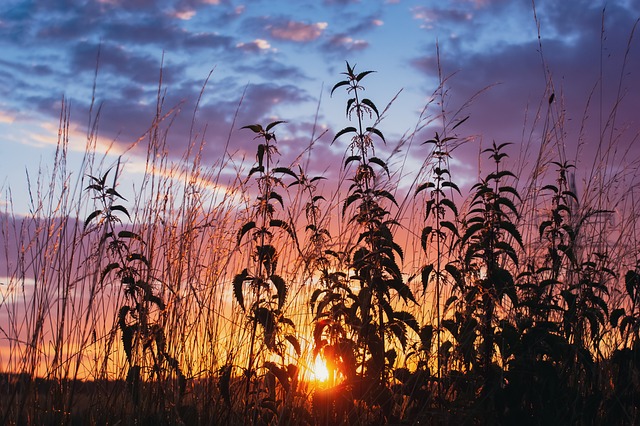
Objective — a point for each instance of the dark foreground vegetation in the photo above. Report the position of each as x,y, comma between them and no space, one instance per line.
208,302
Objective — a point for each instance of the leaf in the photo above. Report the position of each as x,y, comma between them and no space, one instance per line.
245,228
107,269
513,231
224,383
286,171
281,288
424,186
273,124
120,209
371,105
92,216
632,284
275,196
450,226
408,319
255,128
615,316
114,193
379,162
294,343
376,132
362,75
318,329
344,131
426,232
452,186
281,374
426,271
130,235
238,281
278,223
349,104
127,341
339,84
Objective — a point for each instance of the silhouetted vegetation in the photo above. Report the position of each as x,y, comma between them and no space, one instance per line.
209,302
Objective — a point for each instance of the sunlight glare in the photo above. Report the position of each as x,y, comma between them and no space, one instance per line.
320,371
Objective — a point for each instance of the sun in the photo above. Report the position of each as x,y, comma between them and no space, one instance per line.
320,371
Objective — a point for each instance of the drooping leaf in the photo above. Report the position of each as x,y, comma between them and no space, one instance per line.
425,272
245,228
255,128
294,343
376,132
344,131
107,269
281,288
120,209
92,216
371,105
339,84
408,319
273,124
238,281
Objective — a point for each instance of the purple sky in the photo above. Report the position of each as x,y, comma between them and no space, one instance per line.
289,54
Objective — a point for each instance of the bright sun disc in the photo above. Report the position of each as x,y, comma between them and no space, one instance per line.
320,371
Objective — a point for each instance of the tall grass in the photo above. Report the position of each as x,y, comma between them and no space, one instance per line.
208,295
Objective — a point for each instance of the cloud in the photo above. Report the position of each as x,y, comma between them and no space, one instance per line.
341,43
270,69
297,31
431,17
256,45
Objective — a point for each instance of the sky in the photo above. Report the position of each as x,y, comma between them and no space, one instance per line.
277,60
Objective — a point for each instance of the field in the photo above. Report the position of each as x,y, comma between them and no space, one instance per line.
277,297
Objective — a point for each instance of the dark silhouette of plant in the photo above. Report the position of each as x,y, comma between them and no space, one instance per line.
489,257
267,290
373,261
139,318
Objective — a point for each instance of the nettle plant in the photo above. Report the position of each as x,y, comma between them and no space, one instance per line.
140,316
376,326
258,289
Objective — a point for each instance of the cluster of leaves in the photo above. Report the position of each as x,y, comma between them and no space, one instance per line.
357,324
265,289
139,318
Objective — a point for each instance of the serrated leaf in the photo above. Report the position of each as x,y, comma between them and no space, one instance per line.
120,209
273,124
371,105
339,84
255,128
107,269
286,171
344,131
376,132
425,272
114,193
245,228
381,163
294,343
408,319
92,216
130,235
281,288
238,282
349,104
362,75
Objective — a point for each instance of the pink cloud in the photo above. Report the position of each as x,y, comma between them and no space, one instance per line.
298,31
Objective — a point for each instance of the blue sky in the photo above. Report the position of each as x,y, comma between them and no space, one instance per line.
287,55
